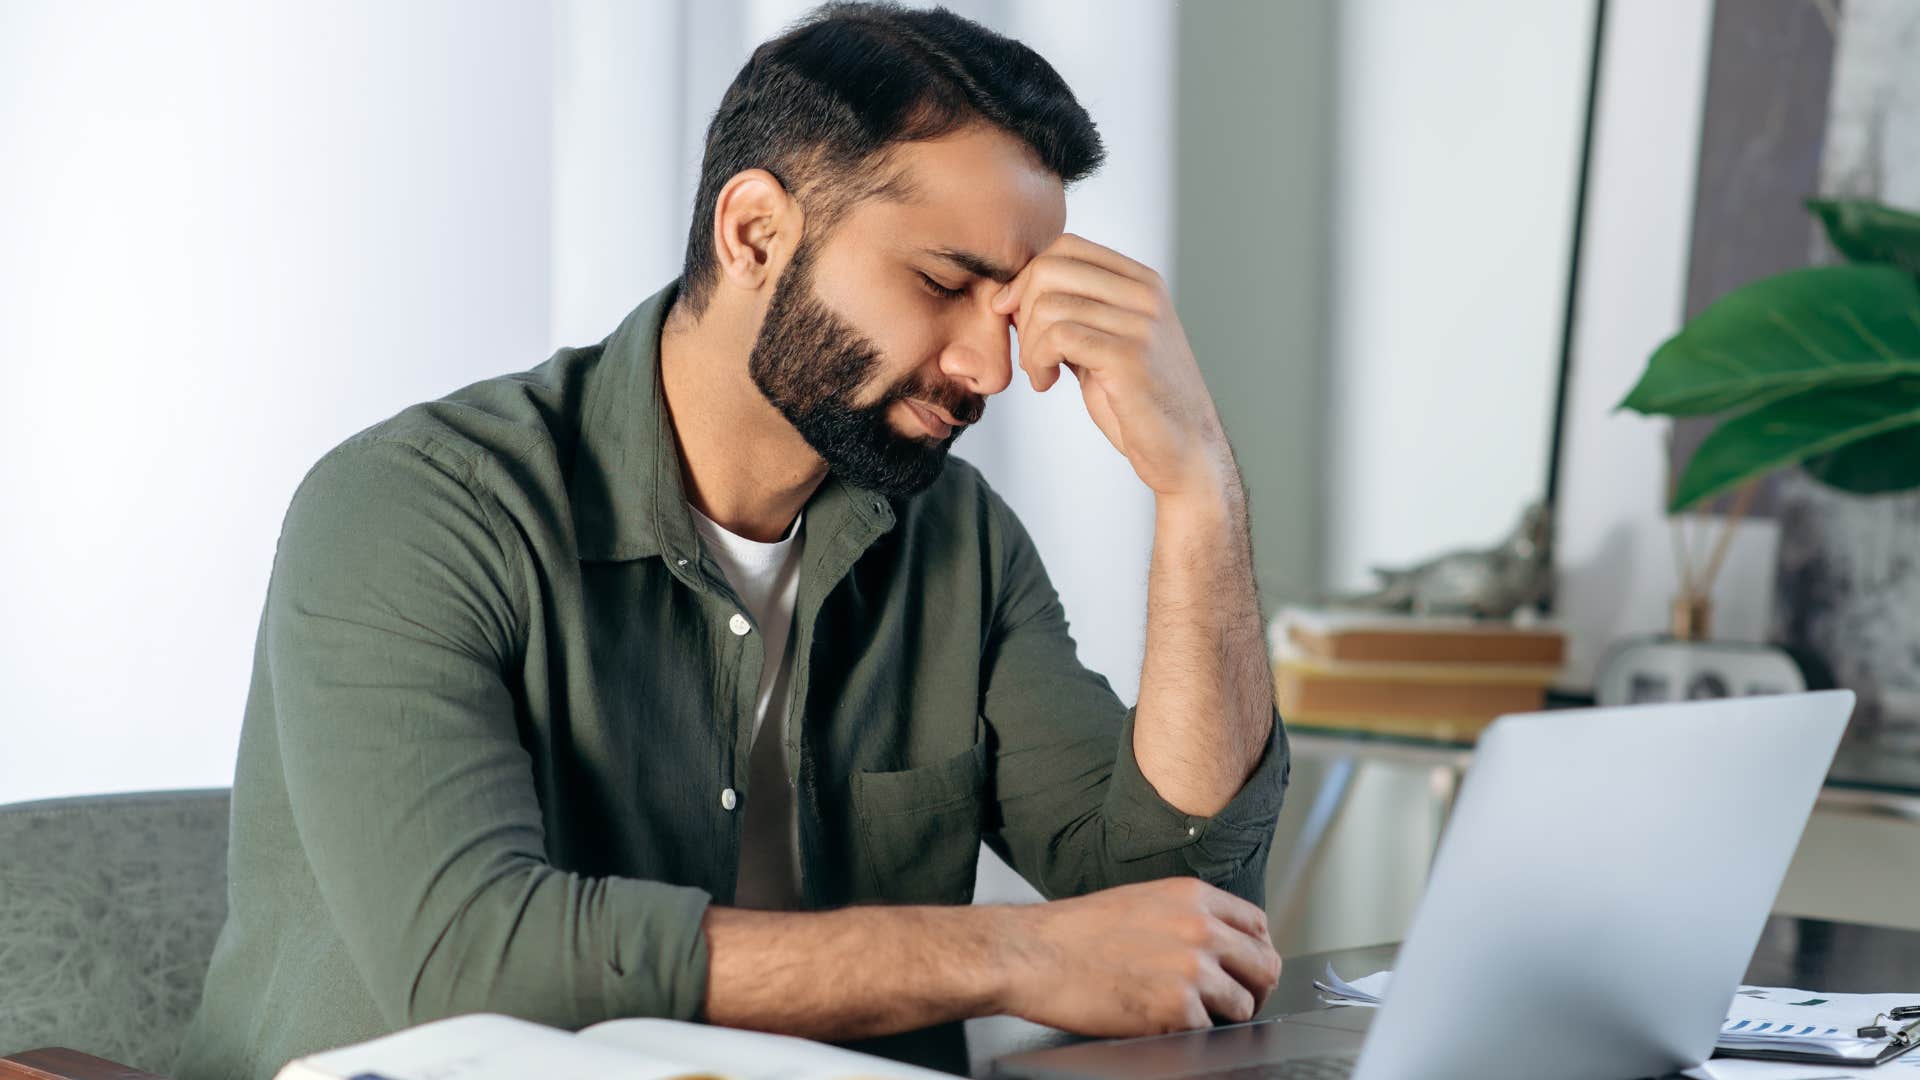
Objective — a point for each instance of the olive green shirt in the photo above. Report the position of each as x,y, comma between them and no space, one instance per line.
495,750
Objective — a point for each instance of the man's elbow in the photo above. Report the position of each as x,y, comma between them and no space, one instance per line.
559,948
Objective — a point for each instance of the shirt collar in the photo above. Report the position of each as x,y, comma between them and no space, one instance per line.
629,501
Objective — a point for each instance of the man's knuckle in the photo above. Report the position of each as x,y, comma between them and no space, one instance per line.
1194,964
1194,928
1152,297
1169,1006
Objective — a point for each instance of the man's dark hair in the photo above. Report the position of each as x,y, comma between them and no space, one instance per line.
820,106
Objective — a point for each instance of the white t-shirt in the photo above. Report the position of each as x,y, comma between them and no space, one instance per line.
767,578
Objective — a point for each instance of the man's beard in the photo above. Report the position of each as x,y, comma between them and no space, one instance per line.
811,365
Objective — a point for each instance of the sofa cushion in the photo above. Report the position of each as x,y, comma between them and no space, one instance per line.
109,906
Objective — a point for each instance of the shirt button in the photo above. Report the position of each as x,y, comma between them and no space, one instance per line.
1193,830
728,800
739,625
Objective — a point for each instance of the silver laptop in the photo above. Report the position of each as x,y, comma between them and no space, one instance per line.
1596,897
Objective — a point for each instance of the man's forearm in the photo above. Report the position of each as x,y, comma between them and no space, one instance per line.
853,973
1206,693
1133,960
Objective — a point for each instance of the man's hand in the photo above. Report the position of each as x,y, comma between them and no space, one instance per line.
1110,321
1141,959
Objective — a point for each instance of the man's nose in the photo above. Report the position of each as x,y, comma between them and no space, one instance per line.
981,359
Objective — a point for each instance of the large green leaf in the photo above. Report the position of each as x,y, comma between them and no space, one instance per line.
1884,463
1799,428
1803,330
1868,232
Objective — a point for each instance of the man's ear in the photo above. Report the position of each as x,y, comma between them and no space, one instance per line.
756,227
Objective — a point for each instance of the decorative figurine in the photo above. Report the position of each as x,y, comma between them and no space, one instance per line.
1490,584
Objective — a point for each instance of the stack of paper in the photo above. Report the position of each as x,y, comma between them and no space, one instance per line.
1759,1018
1369,991
1780,1018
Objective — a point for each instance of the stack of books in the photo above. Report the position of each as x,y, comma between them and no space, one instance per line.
1425,677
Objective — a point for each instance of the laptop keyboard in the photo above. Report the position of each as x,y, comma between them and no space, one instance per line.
1318,1067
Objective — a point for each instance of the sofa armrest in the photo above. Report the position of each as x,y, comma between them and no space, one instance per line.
58,1063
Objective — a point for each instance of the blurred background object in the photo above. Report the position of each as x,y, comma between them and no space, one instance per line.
1511,579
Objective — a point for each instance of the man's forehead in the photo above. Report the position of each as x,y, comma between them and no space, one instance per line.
981,203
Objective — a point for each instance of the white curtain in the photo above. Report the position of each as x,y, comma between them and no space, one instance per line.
231,235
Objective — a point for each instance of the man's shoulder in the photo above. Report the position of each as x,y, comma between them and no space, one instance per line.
480,428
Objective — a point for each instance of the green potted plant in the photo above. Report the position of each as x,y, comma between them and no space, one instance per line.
1817,369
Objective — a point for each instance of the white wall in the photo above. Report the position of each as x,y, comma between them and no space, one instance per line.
231,234
621,183
1617,575
1456,155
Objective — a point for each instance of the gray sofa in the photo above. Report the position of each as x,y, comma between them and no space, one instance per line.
109,906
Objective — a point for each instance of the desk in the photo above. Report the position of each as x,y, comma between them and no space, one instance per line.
1864,779
1810,954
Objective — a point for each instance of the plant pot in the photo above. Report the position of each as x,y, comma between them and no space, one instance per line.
1848,593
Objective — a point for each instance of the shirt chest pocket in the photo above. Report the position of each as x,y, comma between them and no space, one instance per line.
919,829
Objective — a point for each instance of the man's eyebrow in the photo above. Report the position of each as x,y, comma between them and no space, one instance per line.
977,265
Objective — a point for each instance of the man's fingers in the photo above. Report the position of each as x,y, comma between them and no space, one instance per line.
1103,256
1252,962
1225,996
1060,342
1072,246
1057,307
1248,918
1057,273
1052,307
1260,997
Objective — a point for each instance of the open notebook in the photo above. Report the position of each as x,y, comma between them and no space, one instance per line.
486,1046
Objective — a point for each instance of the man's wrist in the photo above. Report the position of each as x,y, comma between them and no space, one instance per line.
893,968
1007,947
1206,514
1212,494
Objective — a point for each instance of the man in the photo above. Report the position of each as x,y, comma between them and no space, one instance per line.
684,675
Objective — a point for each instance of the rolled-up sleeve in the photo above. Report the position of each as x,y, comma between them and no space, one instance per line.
392,624
1071,810
1228,848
